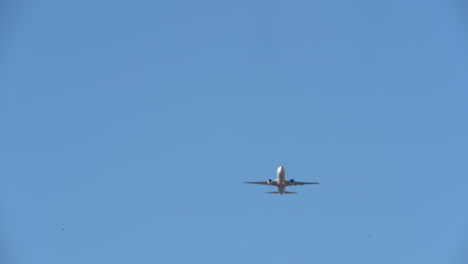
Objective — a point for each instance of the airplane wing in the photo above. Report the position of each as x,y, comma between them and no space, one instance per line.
263,183
303,183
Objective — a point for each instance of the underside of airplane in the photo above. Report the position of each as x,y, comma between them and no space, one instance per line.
281,182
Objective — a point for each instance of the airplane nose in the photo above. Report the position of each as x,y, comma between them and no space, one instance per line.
280,169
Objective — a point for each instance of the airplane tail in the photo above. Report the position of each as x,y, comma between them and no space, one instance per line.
284,192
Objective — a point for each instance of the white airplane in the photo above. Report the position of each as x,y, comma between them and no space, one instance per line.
281,182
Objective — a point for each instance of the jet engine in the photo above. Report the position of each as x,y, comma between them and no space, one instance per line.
291,180
270,181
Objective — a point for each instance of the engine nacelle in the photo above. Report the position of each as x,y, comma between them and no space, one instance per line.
291,180
270,181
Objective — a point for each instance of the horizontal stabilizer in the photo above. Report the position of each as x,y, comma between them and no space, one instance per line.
284,192
272,192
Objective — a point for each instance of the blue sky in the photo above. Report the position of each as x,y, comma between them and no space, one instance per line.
127,129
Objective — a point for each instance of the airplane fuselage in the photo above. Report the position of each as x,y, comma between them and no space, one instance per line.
281,179
280,174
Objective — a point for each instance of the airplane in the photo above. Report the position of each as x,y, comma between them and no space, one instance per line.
281,182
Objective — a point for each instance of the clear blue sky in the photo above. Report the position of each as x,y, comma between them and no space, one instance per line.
128,127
